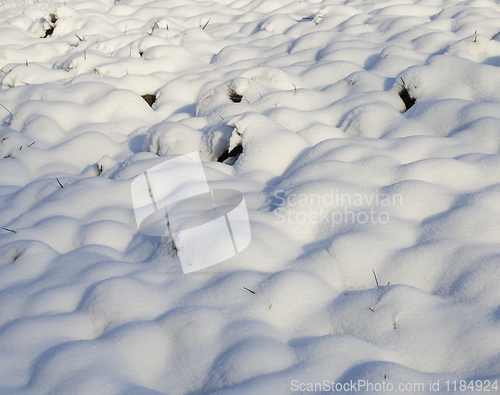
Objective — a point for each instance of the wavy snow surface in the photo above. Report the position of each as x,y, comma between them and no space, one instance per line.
370,167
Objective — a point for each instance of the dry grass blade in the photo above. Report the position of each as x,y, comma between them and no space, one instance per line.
6,109
376,280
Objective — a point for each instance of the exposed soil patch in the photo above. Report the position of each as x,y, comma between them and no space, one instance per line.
150,99
235,97
234,153
52,21
407,99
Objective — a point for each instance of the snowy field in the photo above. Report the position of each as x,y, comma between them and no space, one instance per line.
365,137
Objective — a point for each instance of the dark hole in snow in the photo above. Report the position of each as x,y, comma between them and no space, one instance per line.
50,30
16,256
234,153
235,97
407,99
150,99
140,53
